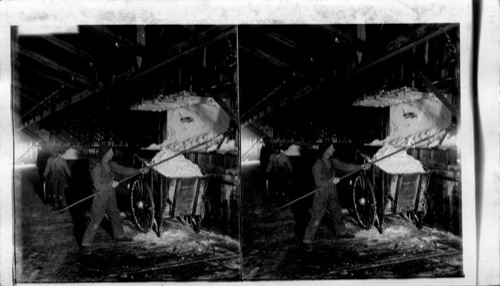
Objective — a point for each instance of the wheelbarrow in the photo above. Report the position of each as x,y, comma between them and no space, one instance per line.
376,193
174,198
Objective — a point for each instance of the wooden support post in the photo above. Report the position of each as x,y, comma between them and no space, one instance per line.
437,92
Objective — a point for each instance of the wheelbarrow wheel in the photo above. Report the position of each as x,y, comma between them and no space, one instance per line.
142,205
363,197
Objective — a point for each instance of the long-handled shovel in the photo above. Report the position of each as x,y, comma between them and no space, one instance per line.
138,173
357,170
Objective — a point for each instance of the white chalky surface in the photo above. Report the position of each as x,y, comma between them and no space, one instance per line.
410,112
177,167
212,138
410,118
71,154
436,136
191,120
169,102
293,150
227,146
399,163
394,97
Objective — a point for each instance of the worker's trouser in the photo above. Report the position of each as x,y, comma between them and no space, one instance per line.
104,202
58,186
325,200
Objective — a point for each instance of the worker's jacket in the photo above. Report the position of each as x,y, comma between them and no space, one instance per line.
279,164
103,177
57,169
323,173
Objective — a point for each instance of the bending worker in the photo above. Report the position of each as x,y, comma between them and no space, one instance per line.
105,202
56,171
326,200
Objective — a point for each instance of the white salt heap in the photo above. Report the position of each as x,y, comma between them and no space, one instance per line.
293,150
436,136
169,102
412,115
191,120
227,146
71,154
212,138
394,97
176,167
205,119
399,163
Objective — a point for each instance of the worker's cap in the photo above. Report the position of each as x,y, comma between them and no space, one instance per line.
103,149
323,146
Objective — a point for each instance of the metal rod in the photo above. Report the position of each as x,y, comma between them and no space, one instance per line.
399,260
171,265
165,160
138,173
437,92
251,147
357,170
18,159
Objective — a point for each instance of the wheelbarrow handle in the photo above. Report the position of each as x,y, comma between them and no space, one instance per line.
138,173
357,170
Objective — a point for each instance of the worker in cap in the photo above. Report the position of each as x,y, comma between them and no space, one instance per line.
57,174
326,199
42,157
279,171
104,183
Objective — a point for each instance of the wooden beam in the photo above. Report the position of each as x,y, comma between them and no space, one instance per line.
47,76
25,96
26,90
297,95
232,114
52,64
288,43
134,47
199,41
307,54
437,92
41,103
75,51
265,98
403,49
359,44
273,60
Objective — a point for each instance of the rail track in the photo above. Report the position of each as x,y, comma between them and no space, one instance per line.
396,260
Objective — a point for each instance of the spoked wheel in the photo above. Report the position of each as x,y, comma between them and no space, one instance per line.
363,197
142,205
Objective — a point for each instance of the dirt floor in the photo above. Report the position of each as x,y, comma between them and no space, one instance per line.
272,250
46,248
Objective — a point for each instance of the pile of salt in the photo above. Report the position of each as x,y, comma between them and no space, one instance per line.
399,163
